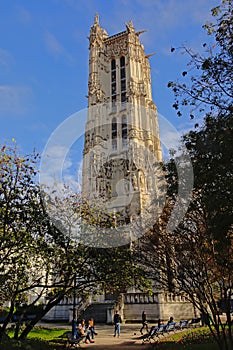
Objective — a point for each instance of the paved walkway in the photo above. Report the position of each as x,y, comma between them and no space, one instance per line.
128,340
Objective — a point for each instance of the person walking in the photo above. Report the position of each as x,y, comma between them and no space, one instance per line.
117,324
144,322
91,327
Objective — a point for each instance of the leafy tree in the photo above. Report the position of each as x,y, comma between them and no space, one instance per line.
196,257
28,254
213,166
209,89
190,261
40,262
211,93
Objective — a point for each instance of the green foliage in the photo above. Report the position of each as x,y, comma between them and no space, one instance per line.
196,258
195,339
22,246
213,166
196,336
28,344
209,88
40,262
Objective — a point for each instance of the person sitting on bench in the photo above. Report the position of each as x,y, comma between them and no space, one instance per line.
83,332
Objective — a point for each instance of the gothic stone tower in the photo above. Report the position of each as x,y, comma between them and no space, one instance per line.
122,140
122,147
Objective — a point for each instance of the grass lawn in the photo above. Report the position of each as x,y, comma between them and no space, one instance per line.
38,339
192,339
176,346
47,334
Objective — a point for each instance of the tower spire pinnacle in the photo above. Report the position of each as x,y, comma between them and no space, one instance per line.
96,20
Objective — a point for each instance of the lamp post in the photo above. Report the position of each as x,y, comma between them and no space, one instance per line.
74,320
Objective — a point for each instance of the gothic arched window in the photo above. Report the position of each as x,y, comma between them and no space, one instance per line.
124,131
123,79
114,134
113,82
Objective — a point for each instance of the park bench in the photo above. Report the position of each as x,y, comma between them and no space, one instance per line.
73,341
154,333
170,327
160,330
195,322
183,324
150,335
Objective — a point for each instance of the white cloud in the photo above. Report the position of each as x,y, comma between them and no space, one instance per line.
162,17
14,99
55,48
184,127
57,171
24,16
6,58
56,155
53,45
176,12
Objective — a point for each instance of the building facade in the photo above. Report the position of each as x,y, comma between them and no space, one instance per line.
120,163
122,142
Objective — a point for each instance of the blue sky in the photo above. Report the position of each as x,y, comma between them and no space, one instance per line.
44,57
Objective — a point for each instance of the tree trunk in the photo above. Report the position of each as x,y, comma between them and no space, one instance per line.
33,322
8,318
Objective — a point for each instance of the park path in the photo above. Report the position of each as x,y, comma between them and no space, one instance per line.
129,339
